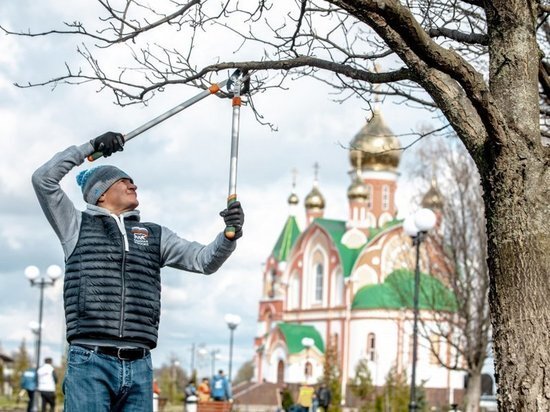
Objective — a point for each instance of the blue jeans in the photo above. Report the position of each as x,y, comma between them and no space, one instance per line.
102,383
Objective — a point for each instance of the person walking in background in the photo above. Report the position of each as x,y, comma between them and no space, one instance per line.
156,395
112,284
47,380
220,387
191,397
324,397
314,402
284,397
28,383
204,390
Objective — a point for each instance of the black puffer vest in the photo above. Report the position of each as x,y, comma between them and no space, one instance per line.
111,293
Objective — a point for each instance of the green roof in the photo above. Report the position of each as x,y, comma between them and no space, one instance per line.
294,334
397,293
375,231
286,240
336,230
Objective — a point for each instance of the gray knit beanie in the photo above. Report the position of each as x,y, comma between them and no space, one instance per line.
95,181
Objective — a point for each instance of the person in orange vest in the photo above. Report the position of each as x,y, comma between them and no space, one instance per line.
204,390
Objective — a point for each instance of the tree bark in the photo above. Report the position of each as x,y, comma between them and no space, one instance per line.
516,180
519,258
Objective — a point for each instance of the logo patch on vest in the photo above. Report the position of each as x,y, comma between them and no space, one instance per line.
141,235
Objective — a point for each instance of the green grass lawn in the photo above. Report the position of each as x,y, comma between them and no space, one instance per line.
12,402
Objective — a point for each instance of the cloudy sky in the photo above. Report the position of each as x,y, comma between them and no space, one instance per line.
181,169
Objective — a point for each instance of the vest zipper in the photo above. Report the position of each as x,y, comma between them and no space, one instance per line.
123,274
125,248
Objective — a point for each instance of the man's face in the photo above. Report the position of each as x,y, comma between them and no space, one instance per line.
120,197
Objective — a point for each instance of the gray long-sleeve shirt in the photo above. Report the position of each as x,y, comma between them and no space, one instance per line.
65,219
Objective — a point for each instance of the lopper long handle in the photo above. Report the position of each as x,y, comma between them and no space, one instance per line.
214,88
232,196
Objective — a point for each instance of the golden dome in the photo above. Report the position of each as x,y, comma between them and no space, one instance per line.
358,190
375,147
293,198
315,200
433,198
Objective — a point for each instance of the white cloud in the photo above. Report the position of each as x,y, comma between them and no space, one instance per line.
174,296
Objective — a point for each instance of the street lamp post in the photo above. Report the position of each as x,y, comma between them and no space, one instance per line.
33,274
417,227
232,323
203,352
214,353
307,343
35,328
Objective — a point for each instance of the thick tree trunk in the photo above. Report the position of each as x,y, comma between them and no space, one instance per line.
516,179
518,224
519,261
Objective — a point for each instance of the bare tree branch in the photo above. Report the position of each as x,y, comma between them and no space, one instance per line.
78,28
471,38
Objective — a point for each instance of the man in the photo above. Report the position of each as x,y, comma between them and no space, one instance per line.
112,277
28,383
191,398
47,379
220,388
324,396
286,400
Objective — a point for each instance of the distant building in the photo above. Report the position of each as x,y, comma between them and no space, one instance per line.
6,372
348,282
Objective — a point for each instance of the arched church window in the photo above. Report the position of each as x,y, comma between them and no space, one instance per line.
272,282
371,347
338,289
268,322
319,282
385,197
280,372
308,370
411,348
435,352
294,298
335,341
369,191
487,385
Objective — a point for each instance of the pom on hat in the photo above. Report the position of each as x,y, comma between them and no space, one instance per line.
83,176
97,180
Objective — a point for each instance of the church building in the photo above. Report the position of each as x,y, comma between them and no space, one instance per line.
347,283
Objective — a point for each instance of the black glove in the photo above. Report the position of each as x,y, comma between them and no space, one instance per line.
234,216
108,143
